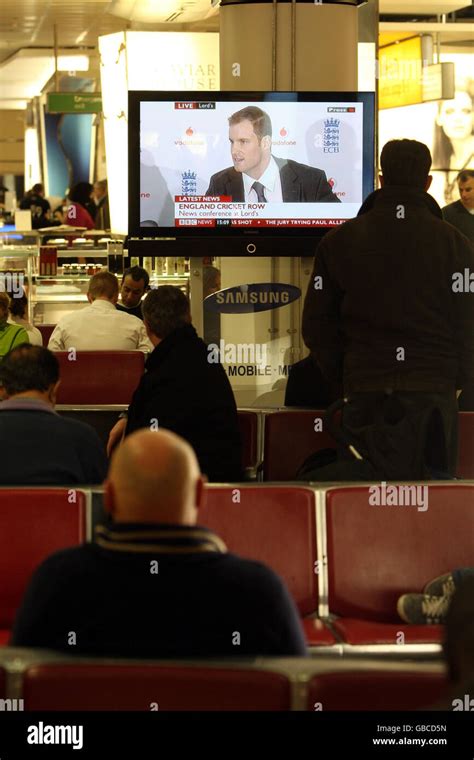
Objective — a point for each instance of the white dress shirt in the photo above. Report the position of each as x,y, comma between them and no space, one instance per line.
271,182
99,327
34,335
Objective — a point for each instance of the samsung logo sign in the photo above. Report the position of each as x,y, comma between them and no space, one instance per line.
252,298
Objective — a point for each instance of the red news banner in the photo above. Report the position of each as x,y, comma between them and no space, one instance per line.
220,211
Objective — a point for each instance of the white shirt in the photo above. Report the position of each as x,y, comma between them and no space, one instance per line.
99,327
271,182
34,335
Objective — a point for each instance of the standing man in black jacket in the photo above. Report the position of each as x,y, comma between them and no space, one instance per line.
386,312
182,391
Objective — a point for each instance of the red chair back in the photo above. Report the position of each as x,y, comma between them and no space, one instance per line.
153,687
248,424
290,437
99,377
271,524
45,331
33,524
466,445
377,553
375,690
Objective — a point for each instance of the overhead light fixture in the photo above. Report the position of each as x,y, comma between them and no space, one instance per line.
146,11
73,63
153,12
82,37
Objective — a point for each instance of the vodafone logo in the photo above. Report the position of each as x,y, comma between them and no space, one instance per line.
190,139
333,183
283,133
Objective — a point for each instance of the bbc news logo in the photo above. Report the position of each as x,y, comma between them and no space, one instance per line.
186,105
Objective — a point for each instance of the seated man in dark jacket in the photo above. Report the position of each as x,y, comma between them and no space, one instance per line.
182,391
154,584
38,446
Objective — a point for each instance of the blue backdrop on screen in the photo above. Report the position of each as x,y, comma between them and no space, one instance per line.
68,150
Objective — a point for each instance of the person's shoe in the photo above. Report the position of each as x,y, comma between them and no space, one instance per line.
443,585
421,609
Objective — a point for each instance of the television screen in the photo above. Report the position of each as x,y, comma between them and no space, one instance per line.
248,165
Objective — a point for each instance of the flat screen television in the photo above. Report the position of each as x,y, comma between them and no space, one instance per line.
245,173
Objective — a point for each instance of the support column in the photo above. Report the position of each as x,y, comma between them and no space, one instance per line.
286,46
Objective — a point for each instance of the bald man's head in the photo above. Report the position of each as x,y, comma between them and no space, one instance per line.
154,477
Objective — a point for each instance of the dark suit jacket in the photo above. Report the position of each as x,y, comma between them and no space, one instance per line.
193,398
459,217
299,184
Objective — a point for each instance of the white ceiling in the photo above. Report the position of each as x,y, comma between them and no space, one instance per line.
26,25
420,7
24,74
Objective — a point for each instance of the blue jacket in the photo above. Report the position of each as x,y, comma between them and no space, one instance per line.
41,448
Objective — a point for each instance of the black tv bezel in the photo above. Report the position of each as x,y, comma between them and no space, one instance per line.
225,241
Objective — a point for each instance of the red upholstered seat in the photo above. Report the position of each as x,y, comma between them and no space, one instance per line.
33,524
290,438
45,331
148,687
466,445
375,690
4,637
248,424
277,526
356,631
377,553
99,377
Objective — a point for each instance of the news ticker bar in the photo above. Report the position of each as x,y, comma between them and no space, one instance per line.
125,734
261,223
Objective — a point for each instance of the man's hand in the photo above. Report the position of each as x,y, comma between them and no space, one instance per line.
116,435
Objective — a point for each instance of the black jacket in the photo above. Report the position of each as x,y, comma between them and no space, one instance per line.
457,215
193,398
136,311
181,595
386,315
299,183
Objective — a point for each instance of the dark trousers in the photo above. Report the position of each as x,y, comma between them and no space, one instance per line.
388,407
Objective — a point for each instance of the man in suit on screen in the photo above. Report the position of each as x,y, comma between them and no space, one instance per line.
259,176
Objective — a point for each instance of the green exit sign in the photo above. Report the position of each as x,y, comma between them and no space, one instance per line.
74,102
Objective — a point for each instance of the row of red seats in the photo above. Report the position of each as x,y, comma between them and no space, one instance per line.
299,684
96,378
345,561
